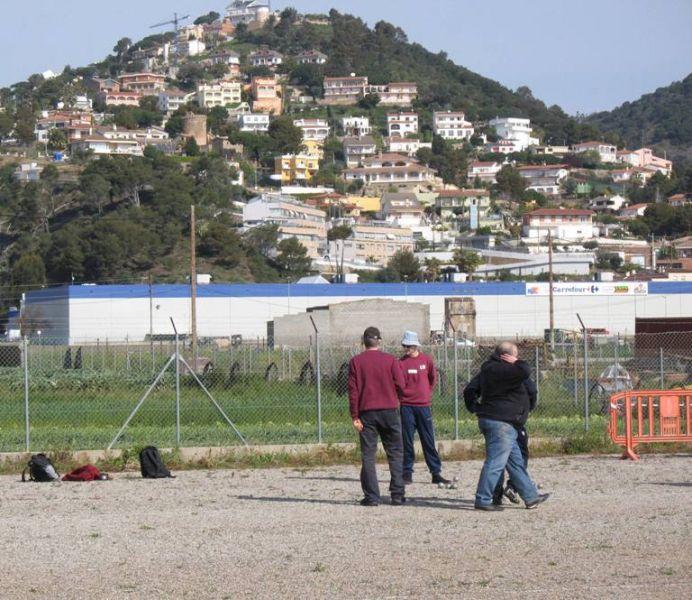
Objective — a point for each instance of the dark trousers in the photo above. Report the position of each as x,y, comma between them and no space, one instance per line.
419,418
523,443
386,425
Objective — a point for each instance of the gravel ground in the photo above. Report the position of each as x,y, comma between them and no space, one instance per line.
611,529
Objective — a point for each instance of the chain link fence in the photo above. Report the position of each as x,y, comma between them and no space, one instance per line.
57,397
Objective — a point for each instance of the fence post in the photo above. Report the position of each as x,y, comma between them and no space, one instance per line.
317,378
538,375
576,374
660,367
456,379
177,386
586,380
26,395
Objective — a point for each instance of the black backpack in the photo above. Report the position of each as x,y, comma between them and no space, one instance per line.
40,468
152,465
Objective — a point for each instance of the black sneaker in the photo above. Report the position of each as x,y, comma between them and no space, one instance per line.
437,478
408,479
398,500
497,501
534,503
511,495
489,507
368,502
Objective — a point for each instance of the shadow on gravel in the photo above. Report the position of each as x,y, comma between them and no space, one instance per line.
287,499
670,483
326,478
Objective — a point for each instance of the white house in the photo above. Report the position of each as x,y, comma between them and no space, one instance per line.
221,93
402,123
356,126
402,209
408,146
311,57
544,179
485,171
295,219
452,125
606,152
633,211
265,58
172,99
189,48
503,146
387,170
357,149
607,203
514,128
563,224
253,121
313,129
28,172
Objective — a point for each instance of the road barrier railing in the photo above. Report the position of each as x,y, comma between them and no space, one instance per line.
645,416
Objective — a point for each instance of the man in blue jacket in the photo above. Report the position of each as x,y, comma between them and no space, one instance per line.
505,405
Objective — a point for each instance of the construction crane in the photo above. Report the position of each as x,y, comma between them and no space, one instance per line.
176,19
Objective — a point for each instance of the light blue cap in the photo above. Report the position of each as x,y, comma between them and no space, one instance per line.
410,339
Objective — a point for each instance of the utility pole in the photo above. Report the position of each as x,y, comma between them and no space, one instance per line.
193,284
550,293
151,322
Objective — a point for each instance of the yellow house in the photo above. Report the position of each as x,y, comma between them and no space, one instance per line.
296,167
366,203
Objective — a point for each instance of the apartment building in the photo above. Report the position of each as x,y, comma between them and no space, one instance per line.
221,93
266,94
357,149
452,125
296,168
373,243
148,84
563,224
253,122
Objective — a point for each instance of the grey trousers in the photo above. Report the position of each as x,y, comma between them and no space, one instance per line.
386,425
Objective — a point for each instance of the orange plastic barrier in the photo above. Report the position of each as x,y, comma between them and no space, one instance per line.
640,416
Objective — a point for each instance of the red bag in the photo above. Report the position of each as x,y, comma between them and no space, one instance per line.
85,473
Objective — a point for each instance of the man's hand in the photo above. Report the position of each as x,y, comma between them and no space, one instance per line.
358,425
508,358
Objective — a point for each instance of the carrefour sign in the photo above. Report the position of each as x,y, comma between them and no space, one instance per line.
616,288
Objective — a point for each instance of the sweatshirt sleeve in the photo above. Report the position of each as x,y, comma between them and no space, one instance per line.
432,374
398,377
353,390
532,391
472,392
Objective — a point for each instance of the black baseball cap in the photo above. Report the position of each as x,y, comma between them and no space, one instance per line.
372,333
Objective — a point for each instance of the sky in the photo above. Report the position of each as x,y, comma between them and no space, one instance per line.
585,55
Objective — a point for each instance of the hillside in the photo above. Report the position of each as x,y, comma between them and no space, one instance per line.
662,120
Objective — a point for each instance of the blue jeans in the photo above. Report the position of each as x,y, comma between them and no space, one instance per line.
419,418
502,451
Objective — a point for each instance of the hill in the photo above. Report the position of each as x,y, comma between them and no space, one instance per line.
662,120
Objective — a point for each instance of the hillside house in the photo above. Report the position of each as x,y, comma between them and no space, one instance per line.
251,12
148,84
633,211
266,94
296,168
117,98
295,219
514,128
503,146
402,209
373,243
357,149
645,158
265,58
253,122
172,99
220,93
544,179
607,204
455,203
311,57
404,145
484,171
344,90
452,125
385,170
563,224
401,124
607,153
396,93
356,126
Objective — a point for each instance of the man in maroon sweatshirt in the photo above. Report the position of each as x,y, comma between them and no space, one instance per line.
416,415
375,382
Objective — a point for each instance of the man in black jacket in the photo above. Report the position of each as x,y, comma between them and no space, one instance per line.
504,407
472,397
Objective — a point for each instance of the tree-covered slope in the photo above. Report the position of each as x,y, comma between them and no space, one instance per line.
662,119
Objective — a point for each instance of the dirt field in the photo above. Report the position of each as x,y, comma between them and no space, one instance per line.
612,529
